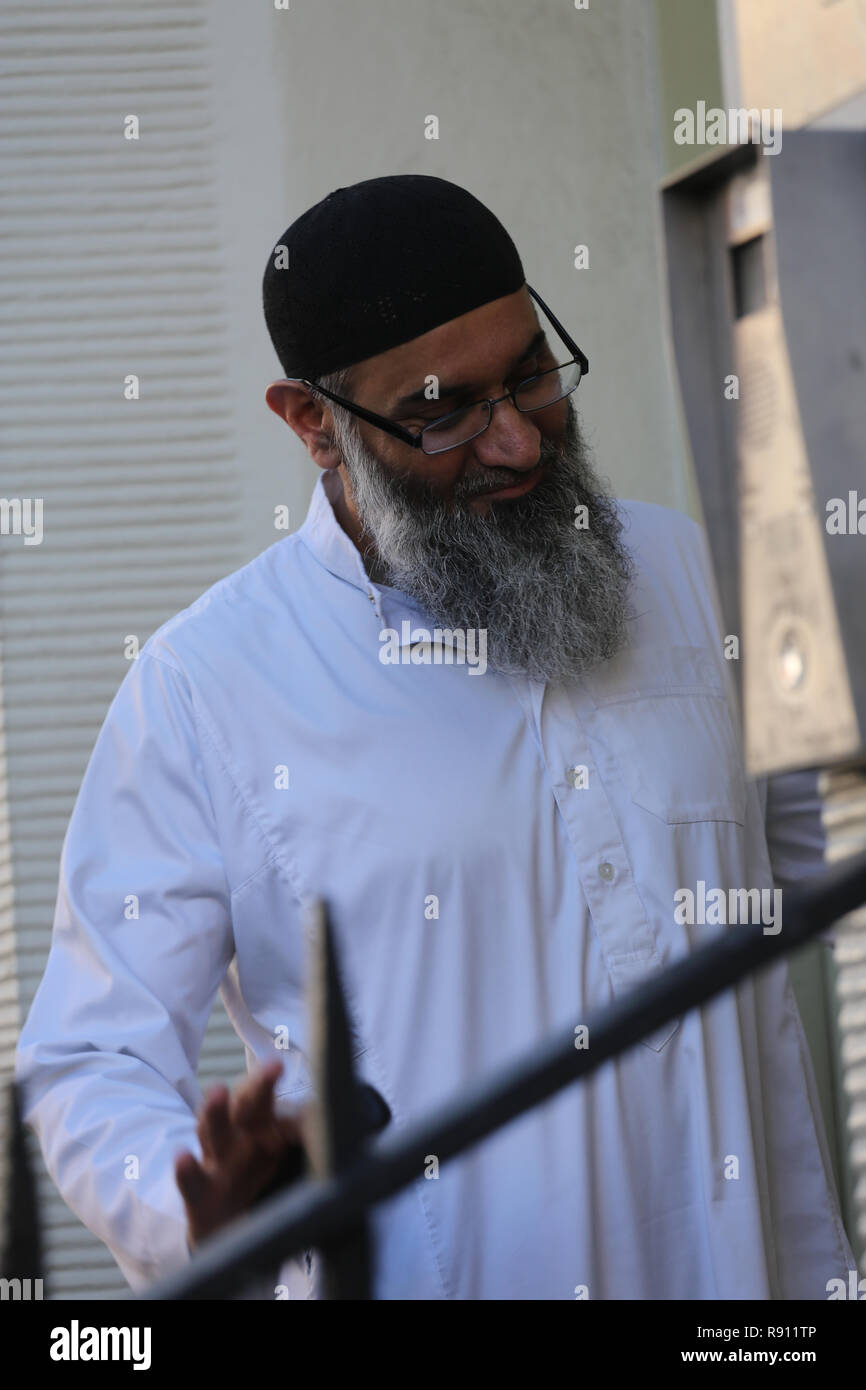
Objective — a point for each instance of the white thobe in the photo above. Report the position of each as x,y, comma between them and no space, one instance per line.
501,859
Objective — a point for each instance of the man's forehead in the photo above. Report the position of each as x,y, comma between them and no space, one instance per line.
466,349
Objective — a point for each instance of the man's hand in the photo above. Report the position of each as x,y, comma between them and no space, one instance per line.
243,1144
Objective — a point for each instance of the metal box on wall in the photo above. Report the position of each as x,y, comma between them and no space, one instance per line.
767,272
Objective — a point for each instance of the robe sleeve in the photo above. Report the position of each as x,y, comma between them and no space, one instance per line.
142,938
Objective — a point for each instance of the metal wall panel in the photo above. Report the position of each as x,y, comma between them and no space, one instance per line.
111,262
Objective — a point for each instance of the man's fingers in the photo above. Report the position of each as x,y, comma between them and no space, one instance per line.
253,1101
214,1124
291,1128
193,1182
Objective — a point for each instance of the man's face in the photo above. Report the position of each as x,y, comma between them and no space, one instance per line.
472,357
511,532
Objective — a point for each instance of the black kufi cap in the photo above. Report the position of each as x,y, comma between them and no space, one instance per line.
379,263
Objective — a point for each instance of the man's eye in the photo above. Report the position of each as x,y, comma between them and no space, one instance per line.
530,369
440,415
534,369
420,421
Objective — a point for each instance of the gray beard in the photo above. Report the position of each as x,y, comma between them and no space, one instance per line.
552,596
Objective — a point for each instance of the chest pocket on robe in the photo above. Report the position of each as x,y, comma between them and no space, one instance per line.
663,712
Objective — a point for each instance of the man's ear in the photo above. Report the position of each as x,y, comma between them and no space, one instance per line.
287,398
308,417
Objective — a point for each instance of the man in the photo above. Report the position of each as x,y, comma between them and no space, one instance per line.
483,711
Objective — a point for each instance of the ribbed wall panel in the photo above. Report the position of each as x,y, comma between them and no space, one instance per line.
9,991
110,264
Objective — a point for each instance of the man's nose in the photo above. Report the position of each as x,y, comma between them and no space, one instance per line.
511,440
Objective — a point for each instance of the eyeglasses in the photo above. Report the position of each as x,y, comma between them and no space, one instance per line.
460,426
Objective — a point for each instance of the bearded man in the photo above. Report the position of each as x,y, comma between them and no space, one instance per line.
501,849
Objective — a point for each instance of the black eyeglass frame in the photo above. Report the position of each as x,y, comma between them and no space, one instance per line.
415,440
